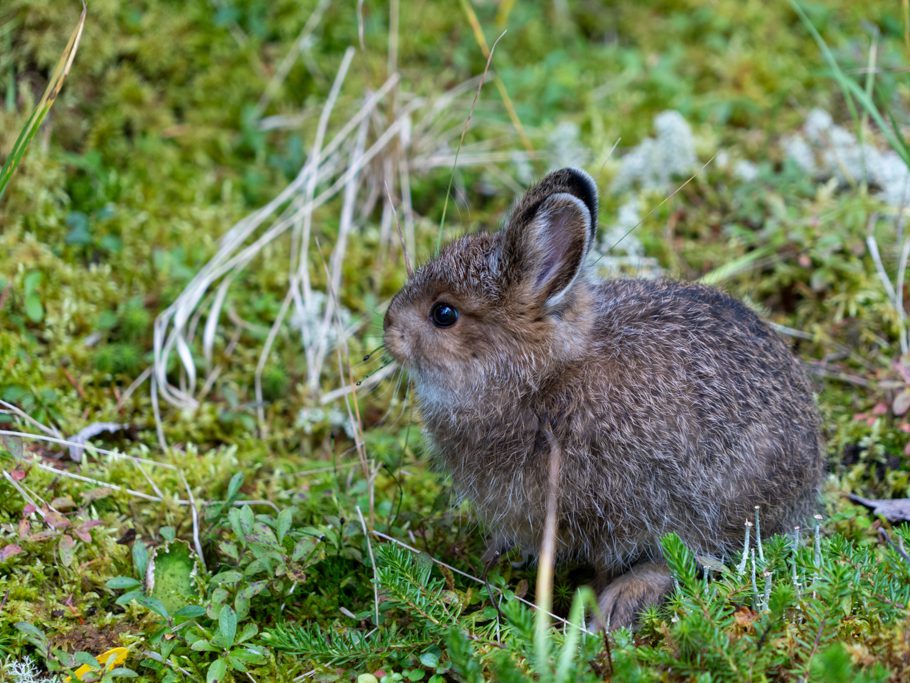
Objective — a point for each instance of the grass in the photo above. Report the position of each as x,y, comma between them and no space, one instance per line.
42,109
270,474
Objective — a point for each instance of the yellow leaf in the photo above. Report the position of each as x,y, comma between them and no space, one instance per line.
117,654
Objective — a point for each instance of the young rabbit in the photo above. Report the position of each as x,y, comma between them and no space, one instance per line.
673,406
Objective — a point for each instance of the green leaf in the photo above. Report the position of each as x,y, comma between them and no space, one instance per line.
229,549
122,583
227,625
122,672
851,88
229,577
172,576
88,660
203,645
464,658
32,281
190,612
237,663
140,557
285,518
681,561
127,598
248,655
217,670
248,632
153,604
241,520
34,310
430,658
34,634
234,486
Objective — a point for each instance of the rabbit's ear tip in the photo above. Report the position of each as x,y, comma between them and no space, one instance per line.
582,185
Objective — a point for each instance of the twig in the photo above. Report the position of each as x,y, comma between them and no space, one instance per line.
66,442
488,53
98,482
197,543
158,658
662,202
301,238
136,383
284,67
408,266
263,359
156,411
366,534
345,225
22,492
872,244
16,410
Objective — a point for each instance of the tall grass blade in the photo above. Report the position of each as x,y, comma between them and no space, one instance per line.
55,84
568,657
853,89
735,267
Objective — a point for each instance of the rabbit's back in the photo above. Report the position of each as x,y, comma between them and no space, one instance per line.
695,411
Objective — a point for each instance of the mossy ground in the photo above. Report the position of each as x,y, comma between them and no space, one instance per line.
155,149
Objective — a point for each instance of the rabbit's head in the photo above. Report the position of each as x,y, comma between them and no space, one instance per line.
496,312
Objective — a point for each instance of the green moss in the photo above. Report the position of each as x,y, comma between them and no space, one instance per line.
115,359
153,151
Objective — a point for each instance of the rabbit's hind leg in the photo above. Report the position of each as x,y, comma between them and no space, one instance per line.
644,585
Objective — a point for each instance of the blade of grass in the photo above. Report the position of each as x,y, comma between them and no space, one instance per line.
905,13
567,657
55,84
735,267
464,131
853,89
501,20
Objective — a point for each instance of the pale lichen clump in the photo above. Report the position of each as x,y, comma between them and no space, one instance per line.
655,162
826,150
25,671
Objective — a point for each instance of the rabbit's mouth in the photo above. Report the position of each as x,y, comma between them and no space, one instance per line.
397,347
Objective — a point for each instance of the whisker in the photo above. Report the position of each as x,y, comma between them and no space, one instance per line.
389,419
370,353
379,369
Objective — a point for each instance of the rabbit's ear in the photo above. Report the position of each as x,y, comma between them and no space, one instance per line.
545,251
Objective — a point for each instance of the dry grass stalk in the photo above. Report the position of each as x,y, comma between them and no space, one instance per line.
545,567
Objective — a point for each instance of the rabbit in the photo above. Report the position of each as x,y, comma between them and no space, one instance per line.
673,406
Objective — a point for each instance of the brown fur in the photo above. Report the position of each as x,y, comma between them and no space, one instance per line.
676,408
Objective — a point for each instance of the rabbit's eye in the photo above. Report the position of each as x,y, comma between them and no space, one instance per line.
443,315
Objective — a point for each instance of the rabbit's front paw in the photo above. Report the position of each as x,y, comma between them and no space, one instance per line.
643,585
